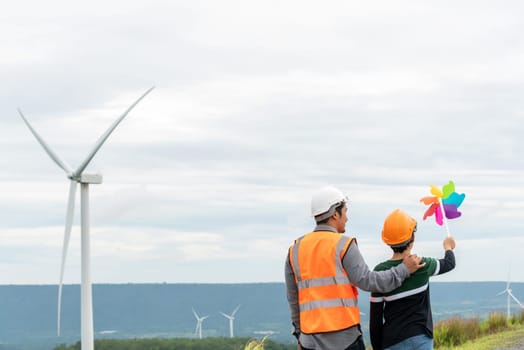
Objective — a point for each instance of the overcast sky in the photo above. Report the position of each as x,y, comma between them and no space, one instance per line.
256,105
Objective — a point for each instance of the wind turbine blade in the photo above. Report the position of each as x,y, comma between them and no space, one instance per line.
46,147
235,311
226,316
509,274
194,313
504,291
515,298
104,137
67,235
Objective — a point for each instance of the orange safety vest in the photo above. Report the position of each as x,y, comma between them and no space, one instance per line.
327,300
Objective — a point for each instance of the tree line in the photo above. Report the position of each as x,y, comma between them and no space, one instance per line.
177,344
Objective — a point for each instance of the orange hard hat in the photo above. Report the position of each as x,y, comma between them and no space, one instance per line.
398,228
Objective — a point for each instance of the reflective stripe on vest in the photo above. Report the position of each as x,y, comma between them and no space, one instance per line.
327,300
328,303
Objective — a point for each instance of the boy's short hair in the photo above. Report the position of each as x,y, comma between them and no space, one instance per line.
400,248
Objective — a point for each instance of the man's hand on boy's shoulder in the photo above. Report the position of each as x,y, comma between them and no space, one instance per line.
413,263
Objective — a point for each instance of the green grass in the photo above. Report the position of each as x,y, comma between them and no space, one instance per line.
459,333
500,340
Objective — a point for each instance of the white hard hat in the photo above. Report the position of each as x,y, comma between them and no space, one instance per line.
324,198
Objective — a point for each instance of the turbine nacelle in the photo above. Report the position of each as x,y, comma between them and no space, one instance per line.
227,316
93,179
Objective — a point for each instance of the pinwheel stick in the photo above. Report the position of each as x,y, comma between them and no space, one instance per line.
444,217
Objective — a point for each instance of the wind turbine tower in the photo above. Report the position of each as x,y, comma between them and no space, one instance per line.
509,296
231,319
79,177
200,320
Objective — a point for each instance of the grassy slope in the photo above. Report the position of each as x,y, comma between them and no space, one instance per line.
494,341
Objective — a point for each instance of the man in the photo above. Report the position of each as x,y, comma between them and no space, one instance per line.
323,269
401,319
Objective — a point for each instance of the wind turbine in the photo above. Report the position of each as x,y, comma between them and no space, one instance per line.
198,329
509,296
231,319
78,176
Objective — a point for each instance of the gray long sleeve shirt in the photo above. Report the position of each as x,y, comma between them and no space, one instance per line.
359,275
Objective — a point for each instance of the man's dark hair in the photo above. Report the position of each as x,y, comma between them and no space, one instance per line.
338,209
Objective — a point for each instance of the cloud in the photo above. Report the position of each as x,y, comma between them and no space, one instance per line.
209,177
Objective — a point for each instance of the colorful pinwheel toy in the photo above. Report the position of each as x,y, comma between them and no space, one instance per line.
445,200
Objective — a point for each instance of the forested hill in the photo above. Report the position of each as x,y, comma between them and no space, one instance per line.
28,313
142,310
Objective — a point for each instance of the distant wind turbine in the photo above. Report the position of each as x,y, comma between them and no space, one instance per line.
78,176
509,296
231,319
200,320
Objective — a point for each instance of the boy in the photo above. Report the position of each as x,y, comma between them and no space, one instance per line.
401,319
